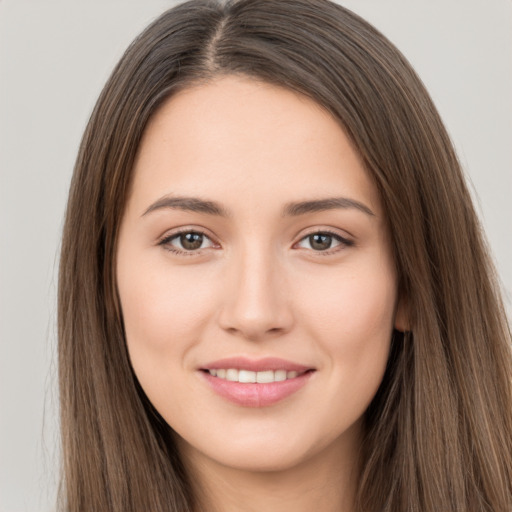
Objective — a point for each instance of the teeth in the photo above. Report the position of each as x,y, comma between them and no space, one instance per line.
248,377
232,375
280,375
265,377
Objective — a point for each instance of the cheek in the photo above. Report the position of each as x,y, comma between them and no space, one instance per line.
351,317
164,310
164,313
357,299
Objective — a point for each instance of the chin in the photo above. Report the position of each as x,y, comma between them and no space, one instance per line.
257,459
268,451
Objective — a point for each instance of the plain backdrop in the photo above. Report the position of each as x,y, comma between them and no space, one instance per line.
55,56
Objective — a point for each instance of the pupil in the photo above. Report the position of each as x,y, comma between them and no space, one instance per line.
320,241
191,241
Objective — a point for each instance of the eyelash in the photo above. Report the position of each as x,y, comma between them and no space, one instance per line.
165,242
344,242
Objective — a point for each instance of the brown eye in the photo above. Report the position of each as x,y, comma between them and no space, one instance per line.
186,242
320,241
191,241
323,241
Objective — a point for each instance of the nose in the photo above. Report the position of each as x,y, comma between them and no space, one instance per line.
256,302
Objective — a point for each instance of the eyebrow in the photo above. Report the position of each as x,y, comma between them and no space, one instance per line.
319,205
191,204
294,209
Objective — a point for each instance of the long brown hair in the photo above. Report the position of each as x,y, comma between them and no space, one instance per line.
438,434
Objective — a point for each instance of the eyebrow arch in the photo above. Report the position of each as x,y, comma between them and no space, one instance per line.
192,204
318,205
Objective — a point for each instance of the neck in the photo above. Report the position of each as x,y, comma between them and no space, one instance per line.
326,482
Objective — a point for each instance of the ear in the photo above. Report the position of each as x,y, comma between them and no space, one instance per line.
402,322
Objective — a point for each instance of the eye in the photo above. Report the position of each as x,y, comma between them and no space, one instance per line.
186,242
323,241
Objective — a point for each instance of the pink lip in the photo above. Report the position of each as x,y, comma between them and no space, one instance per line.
256,395
256,365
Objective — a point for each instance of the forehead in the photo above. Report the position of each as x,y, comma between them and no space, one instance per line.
236,135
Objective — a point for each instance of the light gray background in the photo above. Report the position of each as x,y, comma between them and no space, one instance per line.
55,56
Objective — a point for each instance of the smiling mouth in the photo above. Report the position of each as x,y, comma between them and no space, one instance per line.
260,382
253,377
259,387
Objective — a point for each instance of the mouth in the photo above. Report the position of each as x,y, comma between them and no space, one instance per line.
252,377
255,383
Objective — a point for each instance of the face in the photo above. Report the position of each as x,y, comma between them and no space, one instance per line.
255,276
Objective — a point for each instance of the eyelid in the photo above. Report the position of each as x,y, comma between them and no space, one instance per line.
344,241
166,238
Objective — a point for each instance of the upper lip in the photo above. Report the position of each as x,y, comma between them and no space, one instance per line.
256,365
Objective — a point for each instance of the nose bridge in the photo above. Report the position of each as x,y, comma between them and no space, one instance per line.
256,303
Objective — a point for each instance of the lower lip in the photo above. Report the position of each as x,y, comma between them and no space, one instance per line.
256,395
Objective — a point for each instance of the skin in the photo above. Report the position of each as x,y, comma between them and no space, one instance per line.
257,288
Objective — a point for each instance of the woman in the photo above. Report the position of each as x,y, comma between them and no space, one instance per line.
274,292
